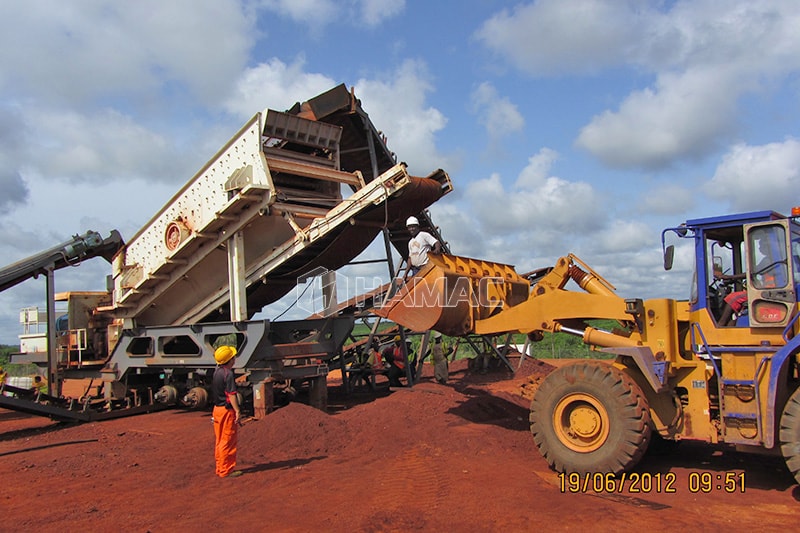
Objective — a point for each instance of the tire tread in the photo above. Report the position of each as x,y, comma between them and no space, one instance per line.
621,389
789,434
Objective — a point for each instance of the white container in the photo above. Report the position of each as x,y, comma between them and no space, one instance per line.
22,382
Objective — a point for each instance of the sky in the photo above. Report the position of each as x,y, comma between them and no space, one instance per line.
567,126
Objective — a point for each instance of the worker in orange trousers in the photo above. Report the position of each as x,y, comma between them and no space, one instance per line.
226,414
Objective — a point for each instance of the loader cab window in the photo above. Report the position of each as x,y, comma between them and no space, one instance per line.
727,262
725,271
770,268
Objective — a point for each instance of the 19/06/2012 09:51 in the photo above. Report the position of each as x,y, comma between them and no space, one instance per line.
648,483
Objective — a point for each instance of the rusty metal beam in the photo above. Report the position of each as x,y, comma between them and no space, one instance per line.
312,171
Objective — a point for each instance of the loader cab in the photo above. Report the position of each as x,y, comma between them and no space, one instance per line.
746,267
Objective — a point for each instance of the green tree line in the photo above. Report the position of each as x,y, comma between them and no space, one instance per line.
5,353
552,345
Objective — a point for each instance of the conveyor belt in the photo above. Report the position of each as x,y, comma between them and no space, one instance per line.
338,247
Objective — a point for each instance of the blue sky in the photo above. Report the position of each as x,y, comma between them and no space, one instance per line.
581,126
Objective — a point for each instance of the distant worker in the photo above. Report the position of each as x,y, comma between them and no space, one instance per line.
3,375
374,360
412,359
227,414
440,353
39,385
394,357
420,244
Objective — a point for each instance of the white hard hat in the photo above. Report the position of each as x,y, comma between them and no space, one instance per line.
412,221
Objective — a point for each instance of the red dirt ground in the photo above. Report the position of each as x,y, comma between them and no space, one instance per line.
455,457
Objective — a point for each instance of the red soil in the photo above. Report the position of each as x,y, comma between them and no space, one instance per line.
455,457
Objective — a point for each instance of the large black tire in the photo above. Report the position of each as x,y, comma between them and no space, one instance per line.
789,434
590,417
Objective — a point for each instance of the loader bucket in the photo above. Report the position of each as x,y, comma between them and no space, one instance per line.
451,292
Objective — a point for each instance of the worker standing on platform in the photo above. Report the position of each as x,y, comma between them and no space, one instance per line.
420,244
227,414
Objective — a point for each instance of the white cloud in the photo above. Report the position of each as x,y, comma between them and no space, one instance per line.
705,55
396,103
668,199
556,36
758,177
537,170
73,208
316,14
498,115
100,146
87,89
750,35
276,83
458,227
12,144
542,217
313,13
540,210
549,37
68,52
623,236
374,12
685,115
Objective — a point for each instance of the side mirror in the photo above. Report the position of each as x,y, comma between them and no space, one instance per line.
669,256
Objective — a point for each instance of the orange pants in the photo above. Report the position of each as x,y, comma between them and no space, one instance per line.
227,437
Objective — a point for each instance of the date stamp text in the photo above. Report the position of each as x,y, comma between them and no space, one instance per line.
652,483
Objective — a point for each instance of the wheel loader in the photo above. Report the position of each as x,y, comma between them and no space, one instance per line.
722,366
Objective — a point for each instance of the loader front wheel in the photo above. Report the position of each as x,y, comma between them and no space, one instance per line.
789,434
590,417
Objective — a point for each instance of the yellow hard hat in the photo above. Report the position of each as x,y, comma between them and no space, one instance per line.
223,354
396,338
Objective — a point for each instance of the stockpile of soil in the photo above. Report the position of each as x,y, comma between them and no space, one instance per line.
454,457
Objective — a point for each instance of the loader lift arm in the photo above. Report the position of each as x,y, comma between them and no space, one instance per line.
459,296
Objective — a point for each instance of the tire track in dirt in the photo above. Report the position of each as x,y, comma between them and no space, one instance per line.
412,479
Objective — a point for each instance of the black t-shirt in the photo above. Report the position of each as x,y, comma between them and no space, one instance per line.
222,384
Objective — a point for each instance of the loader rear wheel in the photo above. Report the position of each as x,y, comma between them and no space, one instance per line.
590,417
789,434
